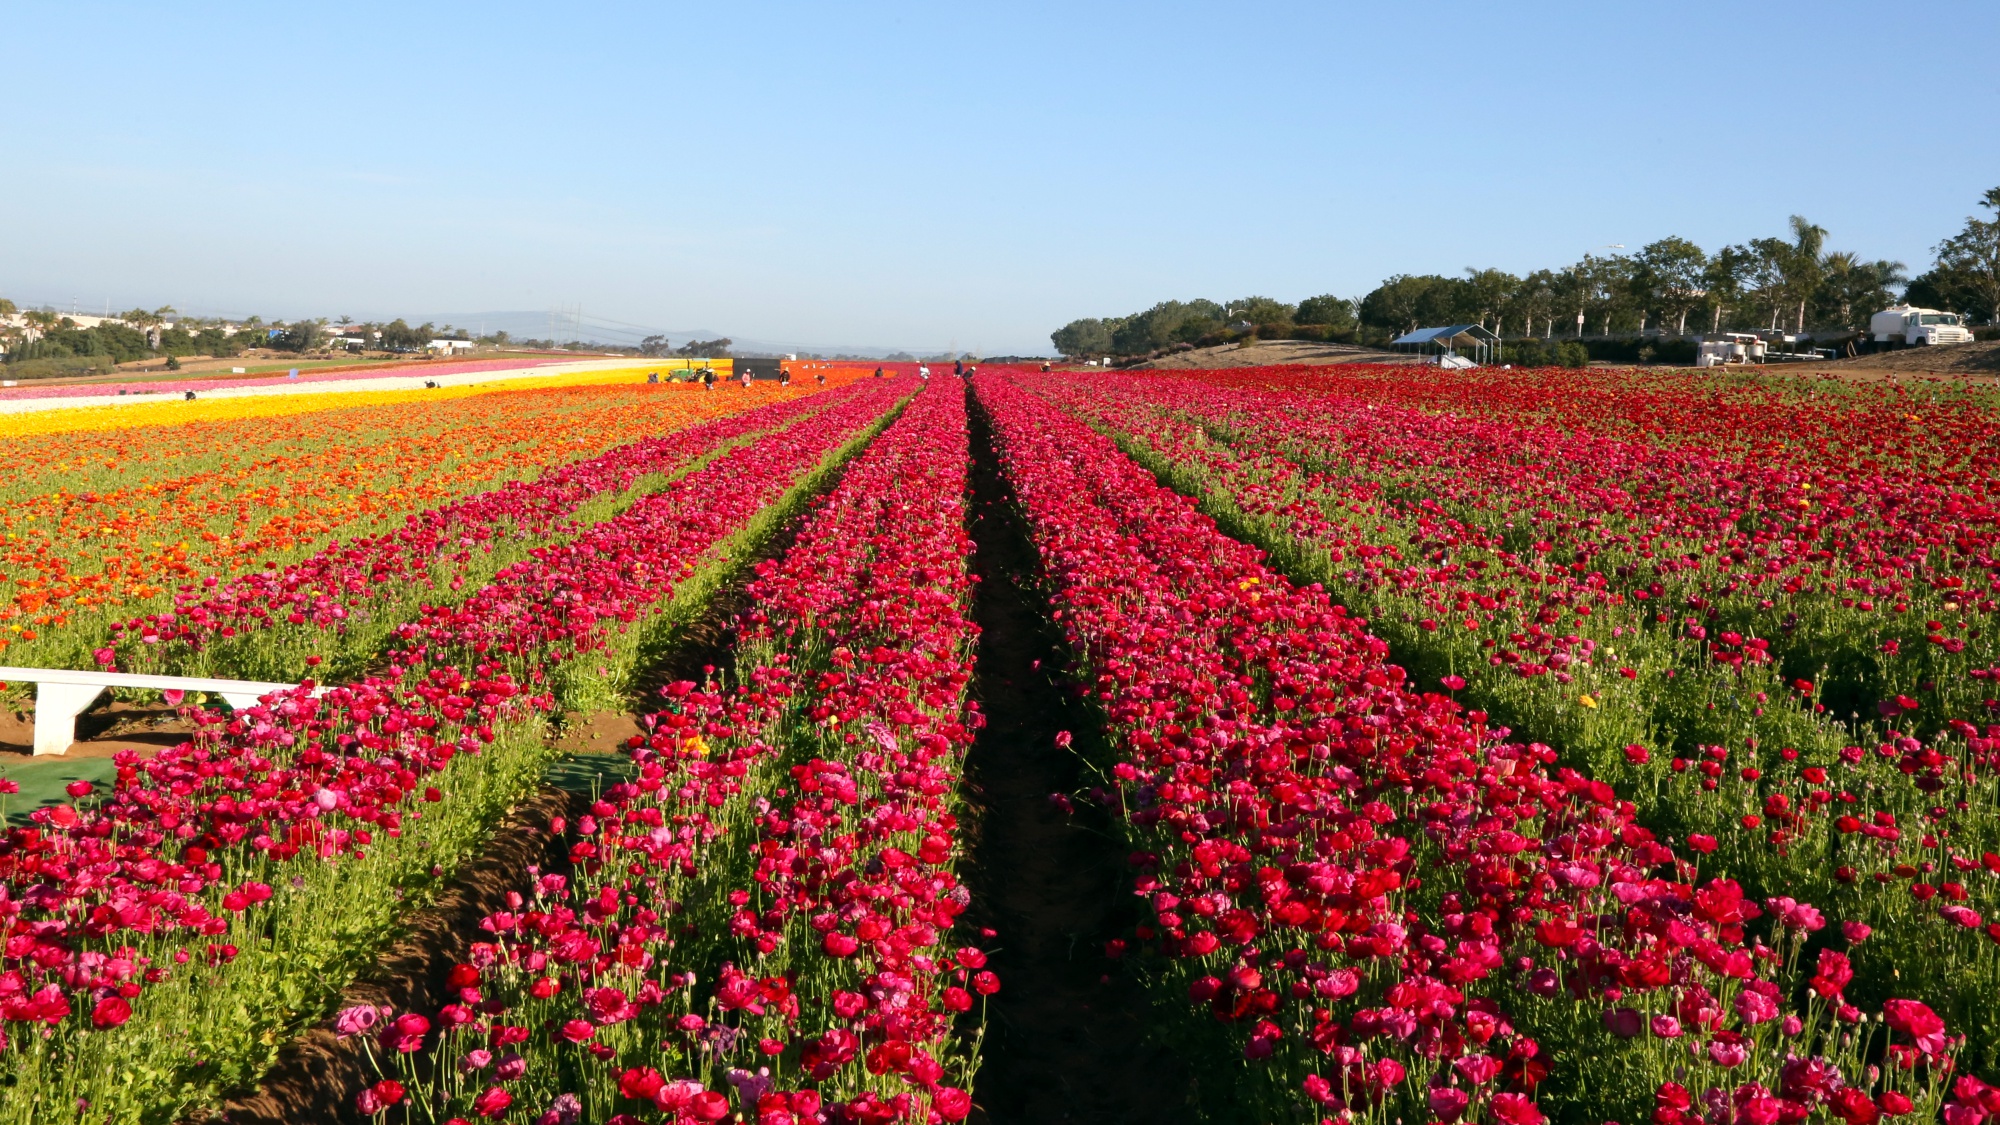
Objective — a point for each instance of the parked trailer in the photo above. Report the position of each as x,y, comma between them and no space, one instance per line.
1730,348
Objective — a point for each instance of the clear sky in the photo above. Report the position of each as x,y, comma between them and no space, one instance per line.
931,174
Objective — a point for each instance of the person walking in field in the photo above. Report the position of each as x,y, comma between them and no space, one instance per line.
708,378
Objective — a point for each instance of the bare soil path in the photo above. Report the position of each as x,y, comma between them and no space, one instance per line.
1978,361
1066,1035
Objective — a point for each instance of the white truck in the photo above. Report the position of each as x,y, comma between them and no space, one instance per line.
1908,326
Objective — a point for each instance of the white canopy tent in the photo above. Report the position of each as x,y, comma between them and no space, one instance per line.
1468,340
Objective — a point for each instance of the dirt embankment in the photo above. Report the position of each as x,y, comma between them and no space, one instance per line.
1269,352
1979,360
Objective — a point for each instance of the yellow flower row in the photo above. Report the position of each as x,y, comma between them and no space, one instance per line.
175,411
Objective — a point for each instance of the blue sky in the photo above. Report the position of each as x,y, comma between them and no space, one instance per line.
925,175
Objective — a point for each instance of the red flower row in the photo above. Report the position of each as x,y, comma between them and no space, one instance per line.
761,917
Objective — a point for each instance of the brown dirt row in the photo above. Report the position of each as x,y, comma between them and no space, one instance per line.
1067,1035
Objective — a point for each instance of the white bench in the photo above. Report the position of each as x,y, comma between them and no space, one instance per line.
61,695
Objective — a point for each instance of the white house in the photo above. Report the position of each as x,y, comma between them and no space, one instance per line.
449,347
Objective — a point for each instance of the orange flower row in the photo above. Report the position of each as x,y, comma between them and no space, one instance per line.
92,521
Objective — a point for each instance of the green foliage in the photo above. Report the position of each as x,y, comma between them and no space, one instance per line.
705,349
59,367
398,336
1405,302
1579,353
302,336
1853,289
178,341
1261,311
1669,278
1967,275
1327,311
115,341
1087,337
1164,325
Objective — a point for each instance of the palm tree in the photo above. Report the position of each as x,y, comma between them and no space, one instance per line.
1800,265
1855,287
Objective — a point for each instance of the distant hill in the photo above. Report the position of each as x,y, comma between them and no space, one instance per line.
536,325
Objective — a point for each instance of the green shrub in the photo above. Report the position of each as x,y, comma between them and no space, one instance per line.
59,366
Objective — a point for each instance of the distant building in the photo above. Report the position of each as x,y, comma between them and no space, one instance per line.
449,347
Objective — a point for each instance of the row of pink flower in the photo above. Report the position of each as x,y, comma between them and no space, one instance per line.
320,594
759,921
225,381
1395,910
195,835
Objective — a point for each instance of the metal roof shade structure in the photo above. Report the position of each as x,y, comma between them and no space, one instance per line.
1483,345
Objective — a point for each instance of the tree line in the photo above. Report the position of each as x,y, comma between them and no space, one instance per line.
44,342
1790,282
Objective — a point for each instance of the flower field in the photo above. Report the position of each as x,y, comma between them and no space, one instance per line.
104,521
1676,799
1487,746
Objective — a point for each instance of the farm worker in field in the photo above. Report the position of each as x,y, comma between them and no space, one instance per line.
708,378
878,373
822,378
924,371
958,368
